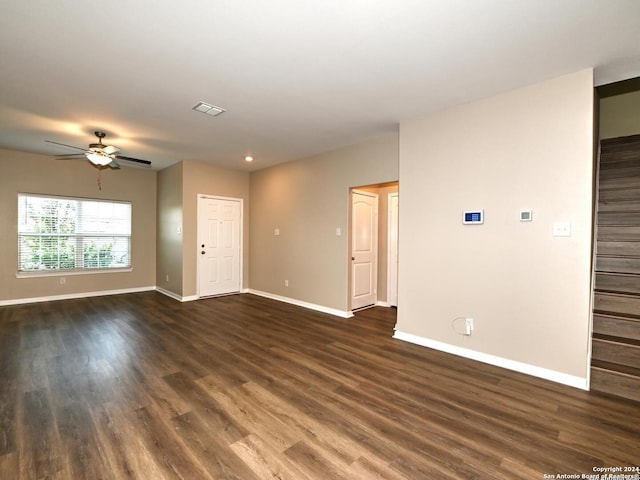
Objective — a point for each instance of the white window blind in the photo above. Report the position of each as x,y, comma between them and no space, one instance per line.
58,233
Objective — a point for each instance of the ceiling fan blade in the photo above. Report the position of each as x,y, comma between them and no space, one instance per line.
110,150
141,163
102,153
65,145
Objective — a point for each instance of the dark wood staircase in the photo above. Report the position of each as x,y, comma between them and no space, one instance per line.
615,362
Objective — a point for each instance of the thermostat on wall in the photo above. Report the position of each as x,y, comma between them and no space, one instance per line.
473,217
526,215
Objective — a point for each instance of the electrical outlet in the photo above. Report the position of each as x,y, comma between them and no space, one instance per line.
63,280
286,283
562,229
167,278
468,326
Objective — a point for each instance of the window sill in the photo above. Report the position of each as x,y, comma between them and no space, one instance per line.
68,273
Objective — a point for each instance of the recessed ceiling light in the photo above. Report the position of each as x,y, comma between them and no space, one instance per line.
209,109
248,158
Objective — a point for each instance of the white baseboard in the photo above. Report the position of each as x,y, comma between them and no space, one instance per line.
175,296
299,303
552,375
189,298
380,303
69,296
168,293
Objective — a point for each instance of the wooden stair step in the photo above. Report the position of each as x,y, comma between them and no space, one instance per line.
617,304
606,263
623,205
621,383
616,352
614,161
626,143
614,367
618,248
619,218
626,182
629,168
618,339
618,195
616,326
617,283
618,233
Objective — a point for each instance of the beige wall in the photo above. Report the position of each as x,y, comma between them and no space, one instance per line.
620,115
31,173
206,179
170,226
307,200
178,187
529,292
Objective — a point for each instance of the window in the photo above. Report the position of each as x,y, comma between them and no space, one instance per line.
66,234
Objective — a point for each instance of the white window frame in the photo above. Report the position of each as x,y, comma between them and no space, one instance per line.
77,237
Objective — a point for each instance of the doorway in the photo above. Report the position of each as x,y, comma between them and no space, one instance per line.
219,245
383,283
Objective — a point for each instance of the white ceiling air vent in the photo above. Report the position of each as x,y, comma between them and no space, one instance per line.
209,109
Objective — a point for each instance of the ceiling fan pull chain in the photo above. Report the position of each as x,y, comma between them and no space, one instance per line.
100,179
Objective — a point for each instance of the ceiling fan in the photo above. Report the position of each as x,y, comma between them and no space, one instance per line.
101,155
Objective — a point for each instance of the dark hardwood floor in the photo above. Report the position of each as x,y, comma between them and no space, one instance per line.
241,387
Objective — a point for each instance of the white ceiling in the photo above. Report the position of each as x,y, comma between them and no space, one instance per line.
297,77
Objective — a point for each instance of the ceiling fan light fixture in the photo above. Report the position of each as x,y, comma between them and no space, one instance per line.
98,158
102,155
209,109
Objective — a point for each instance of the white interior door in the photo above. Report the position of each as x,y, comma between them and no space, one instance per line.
364,249
392,263
219,245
